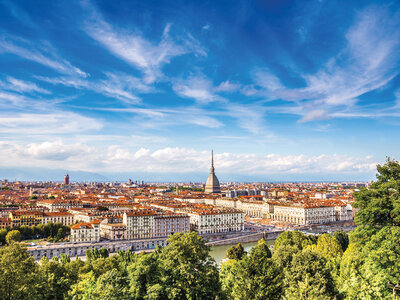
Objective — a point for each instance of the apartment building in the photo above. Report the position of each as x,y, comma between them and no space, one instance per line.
64,218
139,224
26,217
5,223
216,221
113,231
170,223
59,205
304,214
85,232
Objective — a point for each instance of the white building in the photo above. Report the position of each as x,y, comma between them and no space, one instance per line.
64,218
58,205
216,221
304,214
139,224
112,231
85,232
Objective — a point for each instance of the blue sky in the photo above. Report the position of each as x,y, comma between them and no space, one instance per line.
284,90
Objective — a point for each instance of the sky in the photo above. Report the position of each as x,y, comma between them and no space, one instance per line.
281,90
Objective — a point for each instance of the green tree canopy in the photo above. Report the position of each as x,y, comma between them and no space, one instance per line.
293,238
343,239
13,236
18,276
235,252
329,246
255,276
380,204
145,277
188,270
308,277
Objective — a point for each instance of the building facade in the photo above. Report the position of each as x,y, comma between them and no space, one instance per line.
85,232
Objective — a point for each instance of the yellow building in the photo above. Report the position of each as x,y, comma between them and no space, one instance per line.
26,217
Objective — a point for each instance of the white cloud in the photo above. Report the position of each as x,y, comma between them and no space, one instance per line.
368,61
119,86
133,48
114,158
45,55
17,85
54,151
56,122
249,117
197,87
264,78
313,115
161,118
227,86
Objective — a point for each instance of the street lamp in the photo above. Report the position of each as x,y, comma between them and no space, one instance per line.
394,287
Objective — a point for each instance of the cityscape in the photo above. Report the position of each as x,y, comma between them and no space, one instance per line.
140,216
199,150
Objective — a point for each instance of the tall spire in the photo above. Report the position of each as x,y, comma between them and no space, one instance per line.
212,184
212,161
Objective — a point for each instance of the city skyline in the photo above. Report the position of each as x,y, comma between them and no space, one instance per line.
281,91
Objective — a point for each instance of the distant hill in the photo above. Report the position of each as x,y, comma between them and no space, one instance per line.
42,174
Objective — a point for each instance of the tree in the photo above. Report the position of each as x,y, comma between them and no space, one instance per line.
125,258
260,252
255,276
13,236
60,234
56,280
380,204
329,246
308,277
111,285
389,171
235,252
84,288
188,271
102,208
382,262
293,238
342,238
145,277
351,278
3,234
283,255
18,276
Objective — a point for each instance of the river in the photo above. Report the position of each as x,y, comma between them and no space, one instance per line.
218,252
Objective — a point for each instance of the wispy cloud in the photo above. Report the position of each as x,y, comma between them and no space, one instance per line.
160,119
45,54
227,86
197,87
115,85
266,84
55,122
131,46
369,60
21,86
249,117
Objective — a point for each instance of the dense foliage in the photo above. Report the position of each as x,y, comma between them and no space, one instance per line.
339,266
53,231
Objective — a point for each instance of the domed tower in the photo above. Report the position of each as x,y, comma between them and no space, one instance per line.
212,184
